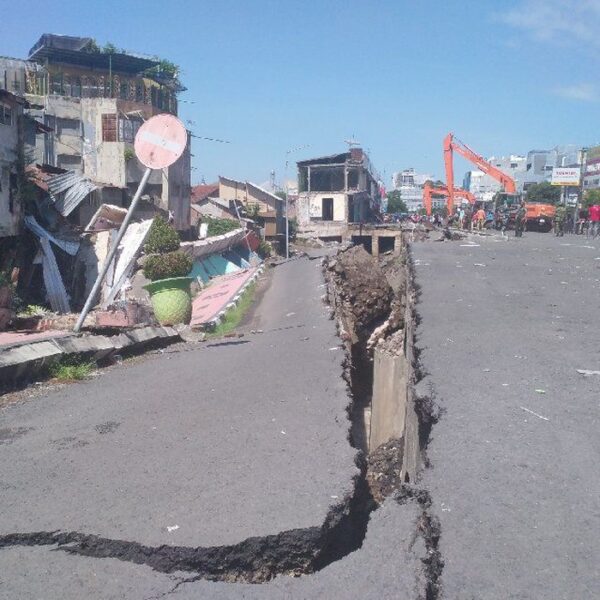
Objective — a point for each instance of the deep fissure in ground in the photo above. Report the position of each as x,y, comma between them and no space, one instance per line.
368,303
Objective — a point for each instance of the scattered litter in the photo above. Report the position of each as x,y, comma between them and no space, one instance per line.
479,265
587,372
486,370
450,340
564,283
540,391
505,384
172,528
468,245
332,349
445,508
291,314
117,358
534,413
282,431
334,497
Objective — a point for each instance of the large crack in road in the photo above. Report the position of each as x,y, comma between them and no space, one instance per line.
304,551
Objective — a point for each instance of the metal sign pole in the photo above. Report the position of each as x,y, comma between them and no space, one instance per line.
90,300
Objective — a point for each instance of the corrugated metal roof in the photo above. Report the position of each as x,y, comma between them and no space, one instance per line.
68,190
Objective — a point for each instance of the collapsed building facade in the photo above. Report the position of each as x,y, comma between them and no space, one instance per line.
68,119
335,191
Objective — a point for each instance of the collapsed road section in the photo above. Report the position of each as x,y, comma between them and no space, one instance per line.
375,321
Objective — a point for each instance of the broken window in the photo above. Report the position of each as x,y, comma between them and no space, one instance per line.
69,162
5,115
109,128
128,128
303,179
13,187
56,85
353,179
327,179
76,87
327,209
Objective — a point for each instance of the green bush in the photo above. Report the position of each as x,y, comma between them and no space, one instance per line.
164,266
220,226
162,238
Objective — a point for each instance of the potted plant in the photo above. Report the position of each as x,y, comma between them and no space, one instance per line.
167,268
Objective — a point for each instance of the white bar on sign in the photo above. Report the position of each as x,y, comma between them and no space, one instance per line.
155,139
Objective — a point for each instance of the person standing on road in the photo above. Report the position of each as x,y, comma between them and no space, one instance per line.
520,220
559,220
480,219
594,215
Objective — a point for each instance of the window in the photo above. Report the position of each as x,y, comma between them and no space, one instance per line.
327,214
56,85
5,115
514,165
68,126
128,129
69,162
109,128
124,90
139,92
76,87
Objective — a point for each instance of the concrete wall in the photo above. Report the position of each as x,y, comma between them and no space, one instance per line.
388,408
310,206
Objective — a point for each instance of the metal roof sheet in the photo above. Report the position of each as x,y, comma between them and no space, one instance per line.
68,190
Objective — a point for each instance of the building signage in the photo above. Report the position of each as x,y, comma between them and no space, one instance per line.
565,176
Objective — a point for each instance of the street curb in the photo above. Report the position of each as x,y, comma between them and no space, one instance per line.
216,320
18,362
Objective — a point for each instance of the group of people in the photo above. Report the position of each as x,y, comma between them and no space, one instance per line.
473,219
587,221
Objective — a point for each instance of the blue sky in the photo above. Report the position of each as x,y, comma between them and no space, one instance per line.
272,75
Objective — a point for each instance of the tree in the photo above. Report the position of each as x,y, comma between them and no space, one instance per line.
544,192
591,197
395,202
281,194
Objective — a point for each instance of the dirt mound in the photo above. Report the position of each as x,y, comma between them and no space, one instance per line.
362,291
383,469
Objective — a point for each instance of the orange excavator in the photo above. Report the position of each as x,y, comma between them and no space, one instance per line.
539,215
429,191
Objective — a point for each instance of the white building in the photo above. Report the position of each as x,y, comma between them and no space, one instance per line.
410,184
484,186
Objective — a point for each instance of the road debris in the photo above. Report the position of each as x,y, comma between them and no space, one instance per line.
534,413
587,372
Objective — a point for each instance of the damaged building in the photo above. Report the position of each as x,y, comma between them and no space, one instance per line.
88,105
70,113
334,191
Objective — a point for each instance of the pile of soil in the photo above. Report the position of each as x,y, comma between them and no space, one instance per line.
363,296
384,466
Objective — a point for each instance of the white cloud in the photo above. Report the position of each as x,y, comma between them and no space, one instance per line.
585,92
558,21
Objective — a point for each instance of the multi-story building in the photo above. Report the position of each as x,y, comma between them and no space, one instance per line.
410,184
591,177
11,143
87,105
334,191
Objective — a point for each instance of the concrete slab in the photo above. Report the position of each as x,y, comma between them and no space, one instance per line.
515,478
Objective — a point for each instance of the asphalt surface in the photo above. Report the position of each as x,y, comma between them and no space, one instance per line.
514,478
202,445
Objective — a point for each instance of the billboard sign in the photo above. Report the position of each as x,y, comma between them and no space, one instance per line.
565,176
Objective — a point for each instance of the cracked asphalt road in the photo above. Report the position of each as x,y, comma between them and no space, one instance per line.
202,445
515,479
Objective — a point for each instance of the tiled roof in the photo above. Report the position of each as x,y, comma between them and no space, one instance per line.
200,192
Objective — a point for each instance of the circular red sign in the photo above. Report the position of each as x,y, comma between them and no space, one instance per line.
160,141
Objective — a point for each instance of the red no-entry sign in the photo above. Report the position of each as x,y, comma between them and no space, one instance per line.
160,141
